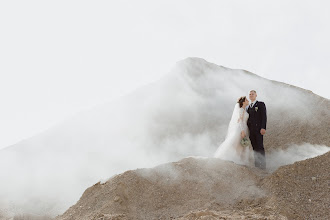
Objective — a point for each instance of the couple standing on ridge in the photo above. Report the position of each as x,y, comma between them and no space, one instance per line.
247,121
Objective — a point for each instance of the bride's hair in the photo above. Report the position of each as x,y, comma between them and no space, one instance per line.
241,100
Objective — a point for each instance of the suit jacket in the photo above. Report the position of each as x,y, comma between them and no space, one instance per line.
257,116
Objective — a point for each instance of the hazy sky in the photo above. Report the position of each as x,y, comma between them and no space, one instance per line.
60,57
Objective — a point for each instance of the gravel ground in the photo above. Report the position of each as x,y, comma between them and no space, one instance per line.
209,188
301,190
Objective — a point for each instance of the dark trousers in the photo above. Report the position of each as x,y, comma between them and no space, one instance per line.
257,141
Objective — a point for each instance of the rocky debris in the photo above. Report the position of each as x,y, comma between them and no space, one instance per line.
209,188
255,214
301,190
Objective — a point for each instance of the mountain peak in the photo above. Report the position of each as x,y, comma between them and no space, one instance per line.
195,66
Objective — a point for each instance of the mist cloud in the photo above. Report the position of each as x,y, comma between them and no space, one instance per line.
279,157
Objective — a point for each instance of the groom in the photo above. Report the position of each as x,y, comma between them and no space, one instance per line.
257,125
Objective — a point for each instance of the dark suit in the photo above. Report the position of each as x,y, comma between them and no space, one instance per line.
257,120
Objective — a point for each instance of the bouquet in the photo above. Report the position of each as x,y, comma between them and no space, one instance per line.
245,142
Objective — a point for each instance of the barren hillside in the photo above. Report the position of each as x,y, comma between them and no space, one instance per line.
196,188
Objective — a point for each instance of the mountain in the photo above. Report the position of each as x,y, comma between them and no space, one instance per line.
200,188
184,113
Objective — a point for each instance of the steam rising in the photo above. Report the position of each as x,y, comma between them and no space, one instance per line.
279,157
185,113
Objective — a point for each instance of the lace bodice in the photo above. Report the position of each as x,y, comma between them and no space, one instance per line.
243,117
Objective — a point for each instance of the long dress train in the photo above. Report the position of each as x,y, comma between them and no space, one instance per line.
231,148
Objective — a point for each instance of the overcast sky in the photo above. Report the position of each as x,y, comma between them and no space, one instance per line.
61,57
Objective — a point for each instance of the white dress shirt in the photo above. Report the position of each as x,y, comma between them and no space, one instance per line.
253,103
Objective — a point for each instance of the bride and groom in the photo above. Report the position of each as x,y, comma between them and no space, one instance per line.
248,121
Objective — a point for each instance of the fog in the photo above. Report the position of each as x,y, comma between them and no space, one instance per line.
185,113
294,153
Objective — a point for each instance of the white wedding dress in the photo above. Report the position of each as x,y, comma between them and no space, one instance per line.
231,148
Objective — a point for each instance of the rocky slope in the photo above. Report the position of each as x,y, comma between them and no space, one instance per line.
209,188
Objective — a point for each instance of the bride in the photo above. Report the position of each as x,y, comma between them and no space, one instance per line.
231,149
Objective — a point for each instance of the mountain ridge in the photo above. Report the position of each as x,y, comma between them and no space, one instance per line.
190,61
